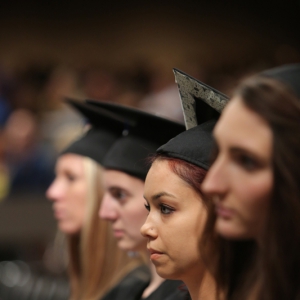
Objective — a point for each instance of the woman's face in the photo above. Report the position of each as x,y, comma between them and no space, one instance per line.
68,192
123,206
241,179
174,224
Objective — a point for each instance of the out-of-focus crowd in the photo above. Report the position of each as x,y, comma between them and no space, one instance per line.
35,124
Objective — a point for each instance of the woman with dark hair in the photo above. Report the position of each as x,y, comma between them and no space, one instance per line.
252,236
177,213
176,205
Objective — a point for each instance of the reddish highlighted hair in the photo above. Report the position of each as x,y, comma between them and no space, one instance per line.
190,173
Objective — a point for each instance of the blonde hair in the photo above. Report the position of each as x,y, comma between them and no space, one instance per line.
96,263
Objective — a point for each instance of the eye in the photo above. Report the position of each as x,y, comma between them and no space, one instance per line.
166,210
71,177
147,206
118,194
247,162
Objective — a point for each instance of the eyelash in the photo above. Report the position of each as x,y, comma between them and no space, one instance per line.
162,207
119,195
147,206
170,210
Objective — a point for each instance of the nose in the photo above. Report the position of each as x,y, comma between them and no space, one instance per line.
54,191
148,230
216,180
107,209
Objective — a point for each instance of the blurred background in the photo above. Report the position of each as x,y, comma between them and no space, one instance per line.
115,51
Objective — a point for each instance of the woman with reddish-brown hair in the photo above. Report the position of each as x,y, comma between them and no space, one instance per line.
177,207
177,212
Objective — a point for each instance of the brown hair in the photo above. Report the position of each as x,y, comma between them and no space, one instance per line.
95,262
188,172
272,271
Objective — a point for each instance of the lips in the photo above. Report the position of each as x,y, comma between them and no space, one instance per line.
223,211
154,254
118,233
59,213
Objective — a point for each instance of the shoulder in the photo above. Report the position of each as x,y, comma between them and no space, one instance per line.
170,290
131,286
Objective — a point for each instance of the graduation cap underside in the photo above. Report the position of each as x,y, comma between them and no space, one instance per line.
129,153
200,102
106,128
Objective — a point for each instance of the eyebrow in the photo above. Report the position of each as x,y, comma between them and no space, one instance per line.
113,187
250,152
158,195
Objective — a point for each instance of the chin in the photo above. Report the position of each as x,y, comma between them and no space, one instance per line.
228,230
68,230
126,246
166,273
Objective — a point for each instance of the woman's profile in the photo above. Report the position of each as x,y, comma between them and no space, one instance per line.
123,204
94,263
252,234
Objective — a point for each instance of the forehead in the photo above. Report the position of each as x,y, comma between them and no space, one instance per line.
240,126
70,161
161,177
121,179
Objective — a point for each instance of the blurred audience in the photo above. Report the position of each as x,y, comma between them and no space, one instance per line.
59,124
28,162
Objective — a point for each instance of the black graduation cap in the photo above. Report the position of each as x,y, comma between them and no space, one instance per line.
194,145
200,102
288,74
202,106
130,152
105,129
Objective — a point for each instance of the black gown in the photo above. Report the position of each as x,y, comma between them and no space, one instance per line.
134,284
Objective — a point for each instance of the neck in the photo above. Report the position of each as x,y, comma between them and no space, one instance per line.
201,286
155,281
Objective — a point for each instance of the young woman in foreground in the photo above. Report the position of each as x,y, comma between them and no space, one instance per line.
255,185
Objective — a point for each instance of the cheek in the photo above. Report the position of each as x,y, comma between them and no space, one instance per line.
184,235
79,204
135,217
253,200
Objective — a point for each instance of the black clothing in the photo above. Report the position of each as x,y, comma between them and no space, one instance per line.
134,284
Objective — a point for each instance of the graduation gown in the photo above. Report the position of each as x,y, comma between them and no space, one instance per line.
133,285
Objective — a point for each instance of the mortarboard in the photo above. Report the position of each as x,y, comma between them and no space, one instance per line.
202,106
288,74
200,102
105,129
130,152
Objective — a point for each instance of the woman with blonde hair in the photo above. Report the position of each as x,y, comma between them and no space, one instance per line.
95,263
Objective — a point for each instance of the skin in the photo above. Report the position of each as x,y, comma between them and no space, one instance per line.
241,179
122,205
174,226
68,192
